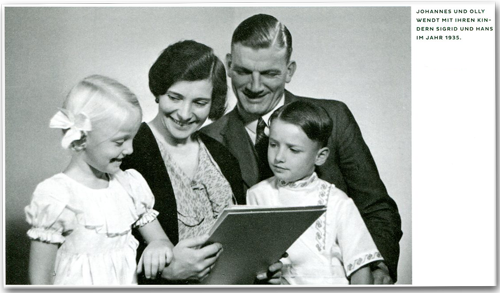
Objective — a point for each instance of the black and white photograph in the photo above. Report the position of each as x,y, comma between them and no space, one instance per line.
242,145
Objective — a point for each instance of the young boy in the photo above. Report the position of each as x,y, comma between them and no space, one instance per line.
337,248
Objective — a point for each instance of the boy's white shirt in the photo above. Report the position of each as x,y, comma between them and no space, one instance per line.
329,264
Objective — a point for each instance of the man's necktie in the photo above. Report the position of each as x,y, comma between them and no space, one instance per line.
261,145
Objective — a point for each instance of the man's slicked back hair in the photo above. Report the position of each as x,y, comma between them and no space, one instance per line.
263,31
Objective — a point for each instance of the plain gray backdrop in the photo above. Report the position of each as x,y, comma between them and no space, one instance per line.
358,55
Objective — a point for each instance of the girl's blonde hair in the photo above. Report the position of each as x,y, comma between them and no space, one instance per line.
102,100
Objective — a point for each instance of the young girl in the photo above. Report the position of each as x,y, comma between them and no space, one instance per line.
337,248
82,218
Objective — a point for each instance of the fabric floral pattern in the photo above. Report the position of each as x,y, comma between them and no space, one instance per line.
320,223
361,261
200,200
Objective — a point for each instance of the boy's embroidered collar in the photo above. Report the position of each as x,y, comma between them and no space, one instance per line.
299,183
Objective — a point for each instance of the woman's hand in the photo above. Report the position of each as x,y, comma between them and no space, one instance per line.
190,262
155,257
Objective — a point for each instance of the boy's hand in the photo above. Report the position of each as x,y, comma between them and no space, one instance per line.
155,257
272,276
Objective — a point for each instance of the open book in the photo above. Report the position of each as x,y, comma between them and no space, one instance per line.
254,237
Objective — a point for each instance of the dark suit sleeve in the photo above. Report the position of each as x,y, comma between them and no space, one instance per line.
364,186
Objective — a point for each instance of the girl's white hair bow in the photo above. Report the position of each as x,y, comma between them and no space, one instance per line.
76,125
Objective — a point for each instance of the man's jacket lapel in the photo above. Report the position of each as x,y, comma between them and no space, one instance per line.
236,139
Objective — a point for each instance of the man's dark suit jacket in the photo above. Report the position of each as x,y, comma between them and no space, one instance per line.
147,160
349,167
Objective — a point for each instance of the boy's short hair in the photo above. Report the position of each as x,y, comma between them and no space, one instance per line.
312,119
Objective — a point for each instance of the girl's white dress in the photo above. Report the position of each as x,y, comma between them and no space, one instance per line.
335,246
92,226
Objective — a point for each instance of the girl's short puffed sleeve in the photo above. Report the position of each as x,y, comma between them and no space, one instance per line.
48,214
142,195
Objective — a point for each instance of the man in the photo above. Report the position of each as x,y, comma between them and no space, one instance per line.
259,66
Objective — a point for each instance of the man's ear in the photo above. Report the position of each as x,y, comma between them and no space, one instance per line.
290,70
229,61
321,156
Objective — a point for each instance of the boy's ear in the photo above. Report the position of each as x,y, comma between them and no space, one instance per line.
321,156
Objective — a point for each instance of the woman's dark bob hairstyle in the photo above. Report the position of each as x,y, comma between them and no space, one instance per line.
190,61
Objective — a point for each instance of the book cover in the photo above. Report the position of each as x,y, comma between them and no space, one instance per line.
254,237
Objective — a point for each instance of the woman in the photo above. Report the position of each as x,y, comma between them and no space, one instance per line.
192,176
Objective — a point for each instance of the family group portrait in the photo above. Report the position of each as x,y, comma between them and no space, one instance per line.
132,133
